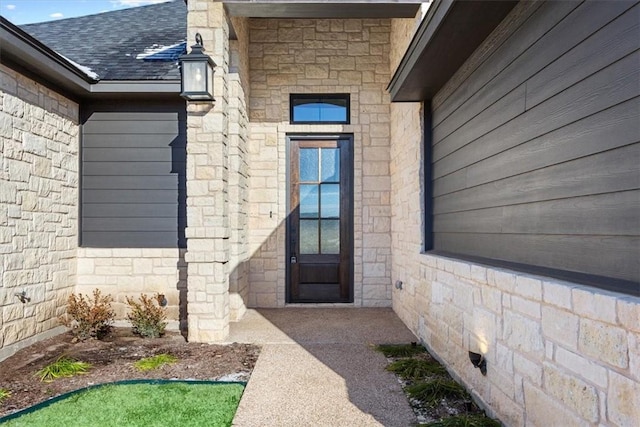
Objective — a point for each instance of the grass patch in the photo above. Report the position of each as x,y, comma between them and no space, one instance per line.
63,367
147,405
400,350
430,393
4,394
465,421
155,362
416,368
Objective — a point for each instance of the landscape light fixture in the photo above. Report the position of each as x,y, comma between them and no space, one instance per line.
197,73
479,362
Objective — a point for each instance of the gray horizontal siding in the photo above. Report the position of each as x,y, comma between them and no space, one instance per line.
157,182
134,176
130,239
129,210
536,155
132,168
562,252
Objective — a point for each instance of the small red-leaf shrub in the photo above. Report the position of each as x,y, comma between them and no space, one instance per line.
89,317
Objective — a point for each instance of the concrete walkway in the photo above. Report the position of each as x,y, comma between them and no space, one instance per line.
318,368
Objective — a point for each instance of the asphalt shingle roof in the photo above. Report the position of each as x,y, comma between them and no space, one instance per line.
109,43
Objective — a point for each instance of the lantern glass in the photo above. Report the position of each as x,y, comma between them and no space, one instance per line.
195,79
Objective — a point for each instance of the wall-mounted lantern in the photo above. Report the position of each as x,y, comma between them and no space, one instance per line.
197,73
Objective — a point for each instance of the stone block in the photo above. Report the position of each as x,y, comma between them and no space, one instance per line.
557,293
525,306
529,369
374,292
604,343
265,36
502,279
523,334
13,312
545,410
358,49
581,366
560,326
594,304
342,63
510,412
377,240
491,299
316,71
350,77
504,358
528,287
623,400
628,309
572,392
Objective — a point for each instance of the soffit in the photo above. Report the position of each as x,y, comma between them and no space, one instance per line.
449,34
311,9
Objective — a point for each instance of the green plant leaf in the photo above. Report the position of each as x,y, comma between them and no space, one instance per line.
416,368
466,421
63,367
4,394
431,392
400,350
155,362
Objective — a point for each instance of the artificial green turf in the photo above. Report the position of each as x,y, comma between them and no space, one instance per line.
147,405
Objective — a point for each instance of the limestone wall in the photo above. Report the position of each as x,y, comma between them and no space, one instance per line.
558,353
129,272
212,137
38,208
319,56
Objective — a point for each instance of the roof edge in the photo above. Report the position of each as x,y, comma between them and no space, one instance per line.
136,86
26,54
429,25
448,36
25,50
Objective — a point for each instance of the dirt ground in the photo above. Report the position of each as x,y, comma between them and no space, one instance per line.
112,359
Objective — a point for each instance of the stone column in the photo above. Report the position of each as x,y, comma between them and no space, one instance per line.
207,185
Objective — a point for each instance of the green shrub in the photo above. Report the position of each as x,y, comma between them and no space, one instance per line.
147,318
89,318
63,367
155,362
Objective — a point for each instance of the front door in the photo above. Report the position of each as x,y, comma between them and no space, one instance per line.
320,220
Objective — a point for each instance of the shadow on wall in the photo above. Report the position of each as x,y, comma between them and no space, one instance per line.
179,167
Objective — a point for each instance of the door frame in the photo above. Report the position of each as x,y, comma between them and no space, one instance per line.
315,136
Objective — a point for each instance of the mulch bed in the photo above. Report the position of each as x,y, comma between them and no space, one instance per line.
112,359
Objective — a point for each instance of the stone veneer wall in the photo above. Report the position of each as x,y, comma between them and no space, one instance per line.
128,272
38,208
319,56
217,179
557,353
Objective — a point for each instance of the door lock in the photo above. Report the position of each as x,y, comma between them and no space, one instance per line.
294,260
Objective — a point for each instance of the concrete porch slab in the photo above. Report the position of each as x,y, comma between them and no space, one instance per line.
318,367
